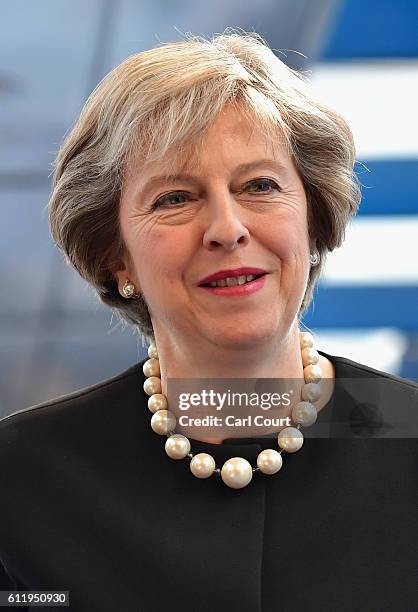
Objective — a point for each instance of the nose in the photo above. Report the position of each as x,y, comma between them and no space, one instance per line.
224,227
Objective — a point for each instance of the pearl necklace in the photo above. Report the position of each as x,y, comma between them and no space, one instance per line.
235,472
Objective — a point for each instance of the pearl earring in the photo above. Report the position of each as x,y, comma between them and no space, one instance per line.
128,289
314,258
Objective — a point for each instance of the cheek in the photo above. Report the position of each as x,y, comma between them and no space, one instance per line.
163,255
288,240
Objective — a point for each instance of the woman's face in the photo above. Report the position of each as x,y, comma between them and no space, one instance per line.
242,205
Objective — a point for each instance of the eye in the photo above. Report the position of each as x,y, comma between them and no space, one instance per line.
264,181
166,199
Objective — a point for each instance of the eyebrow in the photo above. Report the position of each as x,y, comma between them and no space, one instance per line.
155,181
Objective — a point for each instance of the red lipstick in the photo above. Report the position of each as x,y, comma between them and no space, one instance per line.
236,272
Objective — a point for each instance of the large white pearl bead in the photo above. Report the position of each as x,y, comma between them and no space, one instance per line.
269,461
177,446
151,367
290,439
152,351
306,340
304,413
309,356
311,392
158,401
312,373
236,472
202,465
163,421
152,385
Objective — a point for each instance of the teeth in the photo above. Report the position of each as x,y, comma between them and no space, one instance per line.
231,281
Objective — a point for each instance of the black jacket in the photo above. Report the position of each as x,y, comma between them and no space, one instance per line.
91,504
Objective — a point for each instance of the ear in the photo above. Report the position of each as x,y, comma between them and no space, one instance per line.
122,272
312,245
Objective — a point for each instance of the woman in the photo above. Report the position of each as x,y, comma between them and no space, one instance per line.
199,194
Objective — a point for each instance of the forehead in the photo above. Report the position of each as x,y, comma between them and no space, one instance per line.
232,131
192,157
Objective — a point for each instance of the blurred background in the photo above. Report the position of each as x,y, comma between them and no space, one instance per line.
363,60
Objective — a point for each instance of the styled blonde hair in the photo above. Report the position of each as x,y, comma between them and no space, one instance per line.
163,100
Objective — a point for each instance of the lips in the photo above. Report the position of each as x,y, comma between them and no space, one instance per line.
231,273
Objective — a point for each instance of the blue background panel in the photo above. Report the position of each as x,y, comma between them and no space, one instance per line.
389,187
374,29
356,307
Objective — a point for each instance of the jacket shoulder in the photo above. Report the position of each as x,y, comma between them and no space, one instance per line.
350,368
102,391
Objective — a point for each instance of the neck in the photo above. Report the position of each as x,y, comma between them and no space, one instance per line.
274,358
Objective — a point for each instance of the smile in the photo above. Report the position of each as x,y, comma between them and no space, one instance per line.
236,286
232,281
